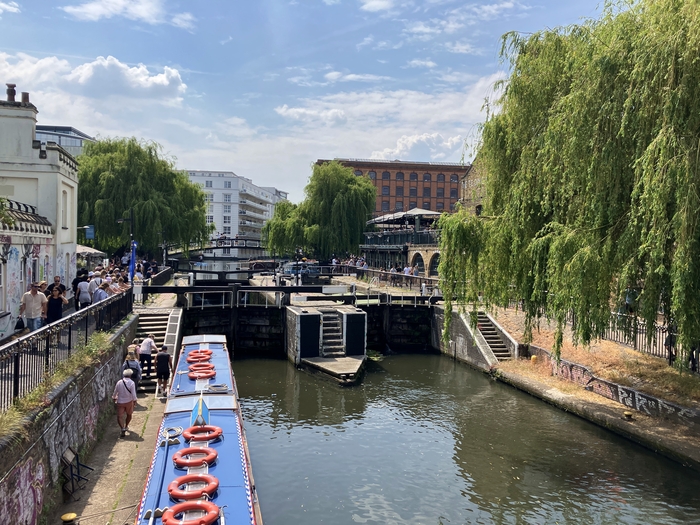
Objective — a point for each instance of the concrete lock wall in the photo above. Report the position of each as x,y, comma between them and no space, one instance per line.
74,413
463,344
303,333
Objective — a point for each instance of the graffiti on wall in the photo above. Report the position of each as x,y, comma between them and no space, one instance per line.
22,493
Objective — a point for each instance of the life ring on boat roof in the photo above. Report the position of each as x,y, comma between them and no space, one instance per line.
211,484
201,351
212,513
202,433
201,374
183,463
199,367
198,358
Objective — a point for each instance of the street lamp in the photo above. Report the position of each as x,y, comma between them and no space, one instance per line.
132,261
165,249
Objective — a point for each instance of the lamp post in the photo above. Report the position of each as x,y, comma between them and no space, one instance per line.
132,261
165,250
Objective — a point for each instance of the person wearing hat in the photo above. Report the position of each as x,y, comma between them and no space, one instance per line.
33,304
132,363
125,397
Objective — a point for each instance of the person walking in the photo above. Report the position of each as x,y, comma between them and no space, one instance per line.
56,283
83,293
148,346
33,306
164,367
131,363
125,397
100,293
54,305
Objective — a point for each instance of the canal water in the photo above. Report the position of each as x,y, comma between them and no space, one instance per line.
426,440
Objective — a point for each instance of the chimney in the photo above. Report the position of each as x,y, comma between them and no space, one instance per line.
25,98
11,92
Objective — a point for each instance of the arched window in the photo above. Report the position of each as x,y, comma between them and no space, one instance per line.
413,176
386,175
399,175
434,262
372,175
427,177
441,177
358,173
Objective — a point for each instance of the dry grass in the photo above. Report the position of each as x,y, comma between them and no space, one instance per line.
612,361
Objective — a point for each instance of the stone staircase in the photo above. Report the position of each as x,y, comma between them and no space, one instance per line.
156,323
332,342
493,339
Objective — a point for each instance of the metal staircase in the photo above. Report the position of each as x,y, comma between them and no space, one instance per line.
332,340
492,337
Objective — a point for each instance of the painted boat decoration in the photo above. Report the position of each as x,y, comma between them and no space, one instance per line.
200,473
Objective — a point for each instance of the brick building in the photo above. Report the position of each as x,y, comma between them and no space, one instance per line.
404,185
473,189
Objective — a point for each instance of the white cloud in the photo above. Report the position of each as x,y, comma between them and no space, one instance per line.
417,62
461,47
387,45
426,30
9,7
326,116
457,77
183,20
148,11
331,2
226,40
376,5
23,69
431,146
367,41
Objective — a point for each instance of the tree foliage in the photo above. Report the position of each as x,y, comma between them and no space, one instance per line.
116,175
332,217
592,164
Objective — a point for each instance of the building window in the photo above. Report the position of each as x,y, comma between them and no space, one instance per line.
385,205
441,177
454,178
399,191
385,190
208,197
227,184
426,191
440,205
412,205
453,193
227,219
426,177
227,208
227,230
64,209
372,175
227,197
210,219
208,184
210,208
426,205
399,206
386,175
413,176
399,175
452,206
413,192
209,251
358,173
440,193
226,251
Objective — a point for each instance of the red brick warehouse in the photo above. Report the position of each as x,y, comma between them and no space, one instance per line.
404,185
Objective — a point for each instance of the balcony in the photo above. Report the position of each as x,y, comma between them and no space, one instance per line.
252,214
252,204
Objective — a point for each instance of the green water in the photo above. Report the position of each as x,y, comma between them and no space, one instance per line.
426,440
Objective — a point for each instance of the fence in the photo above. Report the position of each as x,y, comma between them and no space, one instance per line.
25,362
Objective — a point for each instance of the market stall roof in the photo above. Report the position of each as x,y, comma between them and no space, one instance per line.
86,251
401,216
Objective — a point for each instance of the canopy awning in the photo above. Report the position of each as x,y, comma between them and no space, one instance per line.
401,216
86,251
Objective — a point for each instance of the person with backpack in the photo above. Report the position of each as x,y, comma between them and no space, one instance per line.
131,363
124,397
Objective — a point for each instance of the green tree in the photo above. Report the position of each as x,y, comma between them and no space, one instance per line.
592,159
117,175
332,217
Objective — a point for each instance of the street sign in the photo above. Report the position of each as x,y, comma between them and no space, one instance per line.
90,232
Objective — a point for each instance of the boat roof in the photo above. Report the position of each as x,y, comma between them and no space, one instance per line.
203,338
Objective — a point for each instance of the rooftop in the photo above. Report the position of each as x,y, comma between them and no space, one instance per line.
397,163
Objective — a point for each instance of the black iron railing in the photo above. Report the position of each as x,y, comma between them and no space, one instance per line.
26,361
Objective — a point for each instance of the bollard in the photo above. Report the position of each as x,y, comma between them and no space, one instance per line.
69,519
533,359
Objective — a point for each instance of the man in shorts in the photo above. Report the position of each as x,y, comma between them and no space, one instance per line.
125,397
164,367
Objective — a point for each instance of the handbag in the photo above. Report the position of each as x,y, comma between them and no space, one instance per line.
19,325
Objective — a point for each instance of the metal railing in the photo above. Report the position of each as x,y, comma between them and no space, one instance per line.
28,360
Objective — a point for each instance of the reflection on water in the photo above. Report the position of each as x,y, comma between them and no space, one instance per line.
425,440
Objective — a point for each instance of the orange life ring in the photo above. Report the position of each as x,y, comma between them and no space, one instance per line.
198,367
212,513
201,351
202,433
176,493
203,374
181,462
199,358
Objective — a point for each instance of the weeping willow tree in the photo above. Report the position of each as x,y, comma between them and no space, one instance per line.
332,217
117,175
592,157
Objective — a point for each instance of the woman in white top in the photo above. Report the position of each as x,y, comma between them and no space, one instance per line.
84,295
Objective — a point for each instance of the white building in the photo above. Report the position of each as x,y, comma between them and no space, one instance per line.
40,182
238,209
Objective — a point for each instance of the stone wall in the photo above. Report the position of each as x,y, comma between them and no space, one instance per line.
73,415
463,346
626,396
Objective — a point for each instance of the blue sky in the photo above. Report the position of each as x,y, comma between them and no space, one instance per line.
265,87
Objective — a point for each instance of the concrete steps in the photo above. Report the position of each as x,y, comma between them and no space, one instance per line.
332,341
155,323
492,337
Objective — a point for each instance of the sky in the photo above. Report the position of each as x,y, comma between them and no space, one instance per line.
264,88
